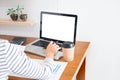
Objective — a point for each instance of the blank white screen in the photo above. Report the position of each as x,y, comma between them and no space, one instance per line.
58,27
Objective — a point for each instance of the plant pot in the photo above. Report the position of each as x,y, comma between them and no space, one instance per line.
14,17
23,17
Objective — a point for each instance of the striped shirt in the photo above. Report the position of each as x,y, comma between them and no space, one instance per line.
13,59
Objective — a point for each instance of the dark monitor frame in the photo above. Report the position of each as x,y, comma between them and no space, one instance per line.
61,14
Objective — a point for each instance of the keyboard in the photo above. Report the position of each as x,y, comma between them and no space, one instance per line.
41,43
44,44
18,40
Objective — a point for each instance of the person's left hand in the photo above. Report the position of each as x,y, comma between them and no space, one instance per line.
51,50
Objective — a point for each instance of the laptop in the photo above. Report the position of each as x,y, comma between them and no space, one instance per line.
57,27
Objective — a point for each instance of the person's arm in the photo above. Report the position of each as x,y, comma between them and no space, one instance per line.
20,64
3,66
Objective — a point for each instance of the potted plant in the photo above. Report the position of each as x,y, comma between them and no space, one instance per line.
12,14
19,10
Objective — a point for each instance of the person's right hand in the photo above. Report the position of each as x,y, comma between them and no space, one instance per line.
51,50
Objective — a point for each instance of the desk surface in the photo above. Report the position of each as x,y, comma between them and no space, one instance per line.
71,69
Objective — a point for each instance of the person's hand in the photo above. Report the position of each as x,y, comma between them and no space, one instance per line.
51,50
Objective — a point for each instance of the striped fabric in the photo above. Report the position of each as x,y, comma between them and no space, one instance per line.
13,59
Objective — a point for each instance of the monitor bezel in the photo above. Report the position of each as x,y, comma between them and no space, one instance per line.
61,14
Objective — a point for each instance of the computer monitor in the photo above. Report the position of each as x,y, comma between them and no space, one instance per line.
58,27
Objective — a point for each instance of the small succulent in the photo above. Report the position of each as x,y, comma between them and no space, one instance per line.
19,9
10,11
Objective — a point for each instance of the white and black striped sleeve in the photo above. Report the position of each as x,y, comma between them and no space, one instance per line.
3,63
19,63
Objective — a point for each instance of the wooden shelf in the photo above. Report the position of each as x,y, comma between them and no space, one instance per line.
10,22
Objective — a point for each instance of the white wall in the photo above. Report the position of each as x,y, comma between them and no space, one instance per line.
98,23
